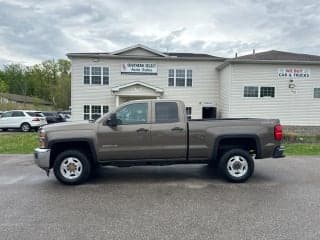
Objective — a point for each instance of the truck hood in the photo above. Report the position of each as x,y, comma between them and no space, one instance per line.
69,126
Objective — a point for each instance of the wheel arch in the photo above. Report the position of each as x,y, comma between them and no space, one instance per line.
84,145
235,141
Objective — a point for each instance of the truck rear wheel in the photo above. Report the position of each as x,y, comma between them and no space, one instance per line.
72,167
236,165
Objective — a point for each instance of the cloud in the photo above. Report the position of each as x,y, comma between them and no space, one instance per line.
32,31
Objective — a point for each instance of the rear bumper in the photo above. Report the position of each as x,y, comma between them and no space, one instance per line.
38,124
278,152
42,158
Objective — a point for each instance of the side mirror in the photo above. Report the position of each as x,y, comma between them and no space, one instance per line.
112,121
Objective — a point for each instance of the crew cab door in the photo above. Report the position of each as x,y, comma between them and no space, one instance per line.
168,132
131,138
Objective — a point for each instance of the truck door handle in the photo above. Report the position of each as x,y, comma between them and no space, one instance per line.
142,130
177,129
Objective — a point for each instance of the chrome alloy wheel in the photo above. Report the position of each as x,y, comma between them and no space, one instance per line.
71,168
237,166
25,127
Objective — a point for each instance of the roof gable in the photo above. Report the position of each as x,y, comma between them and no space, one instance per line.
137,83
138,50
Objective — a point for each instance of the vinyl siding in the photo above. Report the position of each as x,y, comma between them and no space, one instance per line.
205,89
298,108
224,88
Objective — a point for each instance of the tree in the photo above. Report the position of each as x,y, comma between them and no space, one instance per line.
50,80
3,86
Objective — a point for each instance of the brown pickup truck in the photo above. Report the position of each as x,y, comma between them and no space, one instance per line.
156,132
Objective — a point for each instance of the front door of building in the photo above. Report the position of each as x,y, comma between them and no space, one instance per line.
209,113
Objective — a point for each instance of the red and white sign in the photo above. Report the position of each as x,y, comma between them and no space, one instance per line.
143,68
294,72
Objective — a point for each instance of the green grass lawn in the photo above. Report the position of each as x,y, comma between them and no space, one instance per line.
26,142
302,149
18,142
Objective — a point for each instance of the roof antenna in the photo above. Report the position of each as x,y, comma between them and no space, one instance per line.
236,55
253,52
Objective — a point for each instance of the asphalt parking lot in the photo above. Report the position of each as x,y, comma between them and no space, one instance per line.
281,201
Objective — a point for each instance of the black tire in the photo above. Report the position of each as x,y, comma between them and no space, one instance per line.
237,158
75,154
4,129
25,127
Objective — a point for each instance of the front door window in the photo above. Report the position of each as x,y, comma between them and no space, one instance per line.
136,113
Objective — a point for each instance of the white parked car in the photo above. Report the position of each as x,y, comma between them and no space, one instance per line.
22,119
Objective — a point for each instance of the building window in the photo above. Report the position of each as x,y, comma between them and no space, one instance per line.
251,91
171,77
189,112
93,112
96,75
189,78
86,75
180,78
267,92
105,109
316,93
105,76
86,112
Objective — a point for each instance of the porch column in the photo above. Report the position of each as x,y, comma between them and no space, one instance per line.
117,100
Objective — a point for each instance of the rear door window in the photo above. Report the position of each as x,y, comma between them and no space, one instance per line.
166,112
35,114
18,114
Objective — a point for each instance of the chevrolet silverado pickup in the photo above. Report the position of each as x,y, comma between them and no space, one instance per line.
156,132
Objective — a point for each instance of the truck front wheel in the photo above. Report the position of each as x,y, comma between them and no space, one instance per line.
236,165
72,167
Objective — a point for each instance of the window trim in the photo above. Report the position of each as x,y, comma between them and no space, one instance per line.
101,76
314,91
250,97
90,110
259,91
185,77
274,93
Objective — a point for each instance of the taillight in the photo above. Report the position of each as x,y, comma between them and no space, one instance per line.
35,119
278,132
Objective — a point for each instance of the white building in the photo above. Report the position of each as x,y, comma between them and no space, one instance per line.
264,85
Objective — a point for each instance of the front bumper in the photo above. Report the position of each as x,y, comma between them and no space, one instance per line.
278,152
42,158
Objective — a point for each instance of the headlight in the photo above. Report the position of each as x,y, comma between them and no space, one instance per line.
42,138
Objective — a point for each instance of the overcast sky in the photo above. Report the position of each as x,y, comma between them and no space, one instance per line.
33,31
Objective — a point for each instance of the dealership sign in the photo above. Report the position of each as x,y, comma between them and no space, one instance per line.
293,72
143,68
